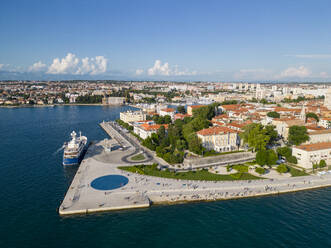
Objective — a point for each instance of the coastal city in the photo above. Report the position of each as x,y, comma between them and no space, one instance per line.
191,124
274,137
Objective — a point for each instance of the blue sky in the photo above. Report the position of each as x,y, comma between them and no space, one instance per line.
166,40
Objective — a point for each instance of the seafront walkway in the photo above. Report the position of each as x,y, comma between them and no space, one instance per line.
141,191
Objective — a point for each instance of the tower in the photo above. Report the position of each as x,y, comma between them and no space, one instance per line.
303,113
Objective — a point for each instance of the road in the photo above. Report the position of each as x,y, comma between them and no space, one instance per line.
134,144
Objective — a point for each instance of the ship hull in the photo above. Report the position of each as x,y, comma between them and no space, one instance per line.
75,160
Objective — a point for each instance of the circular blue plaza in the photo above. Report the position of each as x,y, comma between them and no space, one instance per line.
109,182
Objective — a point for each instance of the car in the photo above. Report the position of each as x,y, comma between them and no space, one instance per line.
280,161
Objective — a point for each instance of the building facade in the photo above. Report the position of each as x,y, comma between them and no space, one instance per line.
319,136
310,154
113,100
146,130
168,111
220,139
132,116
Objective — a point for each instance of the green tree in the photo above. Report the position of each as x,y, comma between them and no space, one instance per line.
315,166
312,115
205,112
167,119
194,144
272,133
322,163
229,102
273,114
148,142
292,159
297,135
271,157
261,157
260,170
264,101
284,151
181,109
181,145
161,132
255,135
282,168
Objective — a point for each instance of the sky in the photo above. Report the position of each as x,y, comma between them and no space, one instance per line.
166,40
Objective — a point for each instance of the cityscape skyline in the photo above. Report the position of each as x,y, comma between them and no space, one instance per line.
218,41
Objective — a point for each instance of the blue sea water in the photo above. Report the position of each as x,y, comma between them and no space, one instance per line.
33,183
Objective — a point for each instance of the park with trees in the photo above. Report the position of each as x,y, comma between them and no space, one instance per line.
181,134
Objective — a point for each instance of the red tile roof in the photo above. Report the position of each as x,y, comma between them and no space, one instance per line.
148,127
168,110
215,130
197,106
315,147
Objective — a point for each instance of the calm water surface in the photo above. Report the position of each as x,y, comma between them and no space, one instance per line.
33,183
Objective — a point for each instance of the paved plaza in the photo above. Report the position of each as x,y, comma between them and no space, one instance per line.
142,191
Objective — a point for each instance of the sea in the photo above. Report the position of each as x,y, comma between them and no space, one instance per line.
33,184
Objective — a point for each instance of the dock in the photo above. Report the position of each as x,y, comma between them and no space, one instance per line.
141,191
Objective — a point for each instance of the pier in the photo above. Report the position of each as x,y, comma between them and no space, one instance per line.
140,191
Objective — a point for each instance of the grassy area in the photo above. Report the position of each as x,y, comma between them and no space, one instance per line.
151,170
138,157
240,168
213,153
251,163
296,173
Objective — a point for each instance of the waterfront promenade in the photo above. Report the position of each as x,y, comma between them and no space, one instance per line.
142,191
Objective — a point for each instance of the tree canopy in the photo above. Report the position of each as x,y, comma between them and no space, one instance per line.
297,135
282,168
258,136
312,115
284,151
273,114
181,109
266,157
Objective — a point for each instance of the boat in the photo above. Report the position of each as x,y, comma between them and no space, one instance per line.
75,149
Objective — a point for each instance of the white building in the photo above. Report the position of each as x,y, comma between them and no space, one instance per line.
168,111
219,138
310,154
325,122
132,116
327,100
319,136
114,100
146,130
283,126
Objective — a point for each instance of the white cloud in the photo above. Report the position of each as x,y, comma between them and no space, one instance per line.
67,65
311,56
1,66
73,65
159,69
166,70
300,72
139,71
38,66
324,74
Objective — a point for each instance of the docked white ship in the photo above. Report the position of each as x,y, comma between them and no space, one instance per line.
75,149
